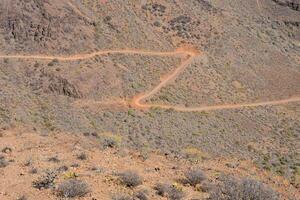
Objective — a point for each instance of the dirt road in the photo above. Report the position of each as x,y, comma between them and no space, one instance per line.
188,56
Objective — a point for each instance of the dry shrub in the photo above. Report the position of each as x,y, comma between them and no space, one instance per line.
72,188
170,191
194,177
131,178
233,189
3,162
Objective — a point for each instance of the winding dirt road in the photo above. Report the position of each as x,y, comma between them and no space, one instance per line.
188,56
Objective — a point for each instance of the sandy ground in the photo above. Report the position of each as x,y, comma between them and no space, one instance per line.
32,151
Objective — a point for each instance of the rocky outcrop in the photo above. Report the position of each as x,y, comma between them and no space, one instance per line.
46,82
40,26
292,4
62,86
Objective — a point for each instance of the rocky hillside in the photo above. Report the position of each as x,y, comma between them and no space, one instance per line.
198,81
39,26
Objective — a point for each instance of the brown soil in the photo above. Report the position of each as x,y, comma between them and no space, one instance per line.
32,151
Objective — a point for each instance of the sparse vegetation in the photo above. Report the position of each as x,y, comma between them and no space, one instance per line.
194,154
3,162
33,171
131,113
205,187
111,141
131,178
36,65
122,197
75,165
54,159
70,175
281,164
6,60
6,150
97,169
63,168
141,195
162,189
194,177
170,191
23,197
53,62
82,156
217,79
233,189
72,188
28,162
45,181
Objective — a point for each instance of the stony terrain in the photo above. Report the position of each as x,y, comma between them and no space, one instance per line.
38,164
169,84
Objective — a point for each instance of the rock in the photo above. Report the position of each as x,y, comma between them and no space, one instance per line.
232,165
158,24
237,84
7,150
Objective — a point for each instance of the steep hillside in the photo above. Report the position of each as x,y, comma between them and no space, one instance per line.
48,27
202,82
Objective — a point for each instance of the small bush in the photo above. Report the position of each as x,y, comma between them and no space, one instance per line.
33,171
110,140
70,175
122,197
94,134
54,159
97,169
166,190
53,62
162,189
130,179
175,194
50,64
233,189
194,177
82,156
109,143
63,168
27,163
194,154
7,150
72,188
36,65
46,181
206,187
23,197
75,165
3,162
141,195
